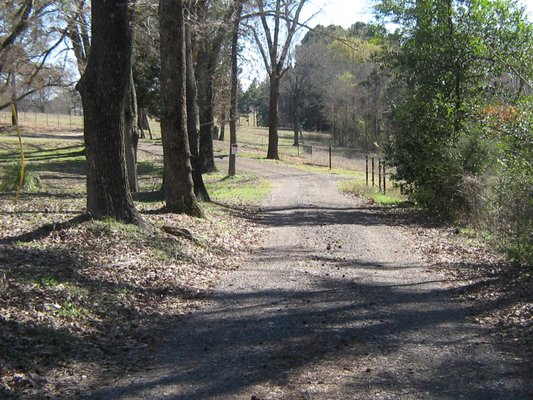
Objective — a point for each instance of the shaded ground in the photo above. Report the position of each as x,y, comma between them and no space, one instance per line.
335,304
82,301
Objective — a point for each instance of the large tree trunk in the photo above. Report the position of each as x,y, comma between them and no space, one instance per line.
272,152
234,88
131,139
207,115
178,183
104,90
200,190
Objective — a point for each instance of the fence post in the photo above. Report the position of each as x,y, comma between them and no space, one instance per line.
379,175
46,118
384,180
330,157
373,167
366,169
58,119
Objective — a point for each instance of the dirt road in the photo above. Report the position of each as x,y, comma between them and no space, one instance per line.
334,305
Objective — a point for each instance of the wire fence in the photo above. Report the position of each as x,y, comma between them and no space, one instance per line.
46,119
372,165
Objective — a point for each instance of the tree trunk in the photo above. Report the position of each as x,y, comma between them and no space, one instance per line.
178,183
296,123
234,88
104,90
140,122
272,152
147,124
222,126
200,190
207,117
15,109
131,139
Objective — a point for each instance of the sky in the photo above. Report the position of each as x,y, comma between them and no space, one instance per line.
346,12
338,12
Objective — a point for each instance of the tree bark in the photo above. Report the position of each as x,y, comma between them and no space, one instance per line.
272,152
274,54
222,126
209,49
140,122
200,190
234,88
15,109
131,139
207,115
296,123
104,90
178,182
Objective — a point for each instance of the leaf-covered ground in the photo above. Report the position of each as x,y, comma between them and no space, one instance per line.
478,272
82,301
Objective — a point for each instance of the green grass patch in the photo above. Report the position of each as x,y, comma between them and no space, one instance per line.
48,162
358,187
39,150
239,189
11,179
48,281
109,225
69,309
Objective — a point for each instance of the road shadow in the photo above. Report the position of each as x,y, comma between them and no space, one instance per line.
271,335
252,337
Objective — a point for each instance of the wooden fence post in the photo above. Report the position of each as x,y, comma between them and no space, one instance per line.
379,175
384,179
366,169
373,167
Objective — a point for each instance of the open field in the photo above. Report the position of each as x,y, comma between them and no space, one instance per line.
253,142
312,154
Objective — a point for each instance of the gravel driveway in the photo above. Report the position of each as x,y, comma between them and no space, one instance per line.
333,305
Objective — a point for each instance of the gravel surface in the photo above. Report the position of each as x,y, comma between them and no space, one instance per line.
335,304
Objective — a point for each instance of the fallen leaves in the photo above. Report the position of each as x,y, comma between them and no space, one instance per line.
502,292
100,293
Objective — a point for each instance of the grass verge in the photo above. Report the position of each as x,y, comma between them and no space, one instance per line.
238,190
358,187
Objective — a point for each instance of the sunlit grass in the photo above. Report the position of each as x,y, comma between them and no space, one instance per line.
239,189
358,187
